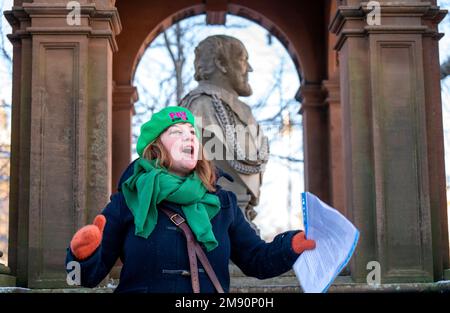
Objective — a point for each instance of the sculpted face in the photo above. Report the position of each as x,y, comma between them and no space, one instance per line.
223,61
238,69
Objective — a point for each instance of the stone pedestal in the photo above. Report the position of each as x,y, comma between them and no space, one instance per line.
393,139
61,131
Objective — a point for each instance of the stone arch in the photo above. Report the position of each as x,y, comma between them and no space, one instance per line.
298,35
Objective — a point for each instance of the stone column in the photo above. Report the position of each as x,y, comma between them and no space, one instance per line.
124,97
61,124
337,188
435,148
394,193
315,140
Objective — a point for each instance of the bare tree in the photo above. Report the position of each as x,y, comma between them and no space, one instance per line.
5,109
444,27
445,69
5,54
5,104
177,58
172,81
175,77
178,42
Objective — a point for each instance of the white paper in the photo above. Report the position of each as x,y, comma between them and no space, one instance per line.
336,239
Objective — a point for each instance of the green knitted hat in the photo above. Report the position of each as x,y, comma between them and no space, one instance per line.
159,122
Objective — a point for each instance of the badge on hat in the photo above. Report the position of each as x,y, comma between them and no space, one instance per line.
176,116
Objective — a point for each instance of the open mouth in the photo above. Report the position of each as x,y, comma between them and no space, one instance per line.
188,150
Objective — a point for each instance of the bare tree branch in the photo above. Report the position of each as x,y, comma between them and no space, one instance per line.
168,47
6,55
179,41
179,63
445,69
276,116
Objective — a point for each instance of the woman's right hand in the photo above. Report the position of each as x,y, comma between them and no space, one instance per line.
300,243
87,239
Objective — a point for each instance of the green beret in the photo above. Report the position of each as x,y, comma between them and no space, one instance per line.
159,122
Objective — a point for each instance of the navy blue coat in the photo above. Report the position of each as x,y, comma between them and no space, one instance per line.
159,263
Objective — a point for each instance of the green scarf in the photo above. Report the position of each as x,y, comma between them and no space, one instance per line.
151,184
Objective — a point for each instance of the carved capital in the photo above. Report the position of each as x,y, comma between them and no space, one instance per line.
311,96
124,97
332,90
395,17
52,19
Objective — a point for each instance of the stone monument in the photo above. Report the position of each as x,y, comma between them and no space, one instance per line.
231,136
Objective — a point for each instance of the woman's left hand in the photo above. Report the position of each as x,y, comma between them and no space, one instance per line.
300,243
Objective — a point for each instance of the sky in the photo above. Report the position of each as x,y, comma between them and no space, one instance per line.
444,54
5,71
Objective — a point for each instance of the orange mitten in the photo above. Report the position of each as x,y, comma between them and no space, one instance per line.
88,238
300,243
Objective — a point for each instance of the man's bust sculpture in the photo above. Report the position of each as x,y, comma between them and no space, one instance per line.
231,136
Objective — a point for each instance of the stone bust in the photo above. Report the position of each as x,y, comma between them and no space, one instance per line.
231,136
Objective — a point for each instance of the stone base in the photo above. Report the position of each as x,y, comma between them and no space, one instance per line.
282,287
286,283
56,290
438,287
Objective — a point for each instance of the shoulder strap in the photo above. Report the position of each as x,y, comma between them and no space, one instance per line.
194,251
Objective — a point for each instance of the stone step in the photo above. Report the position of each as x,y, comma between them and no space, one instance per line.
285,283
236,272
264,287
240,283
288,283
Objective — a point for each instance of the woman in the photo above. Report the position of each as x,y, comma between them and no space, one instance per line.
170,175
